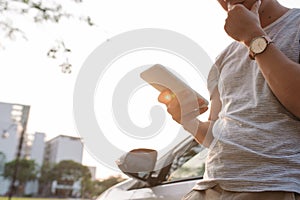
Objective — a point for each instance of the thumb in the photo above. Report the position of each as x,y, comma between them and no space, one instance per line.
256,6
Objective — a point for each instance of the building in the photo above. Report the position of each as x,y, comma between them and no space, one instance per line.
3,183
10,132
34,147
35,150
64,148
13,119
38,148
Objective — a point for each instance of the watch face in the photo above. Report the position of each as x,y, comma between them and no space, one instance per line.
258,45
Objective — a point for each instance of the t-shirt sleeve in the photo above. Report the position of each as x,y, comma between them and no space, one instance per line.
213,79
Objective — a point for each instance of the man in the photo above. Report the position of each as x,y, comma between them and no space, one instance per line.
253,131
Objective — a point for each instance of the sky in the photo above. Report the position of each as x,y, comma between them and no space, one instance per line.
28,77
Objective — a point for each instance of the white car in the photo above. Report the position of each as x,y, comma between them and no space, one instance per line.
168,178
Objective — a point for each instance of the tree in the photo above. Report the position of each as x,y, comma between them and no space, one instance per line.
46,178
27,172
87,188
38,11
67,172
102,185
94,188
2,162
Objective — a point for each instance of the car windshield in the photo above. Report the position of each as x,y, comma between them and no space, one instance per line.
190,165
185,161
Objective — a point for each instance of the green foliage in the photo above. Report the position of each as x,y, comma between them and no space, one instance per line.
102,185
93,189
46,173
2,162
65,172
46,178
68,171
27,171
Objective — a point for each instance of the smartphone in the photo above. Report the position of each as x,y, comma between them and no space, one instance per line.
161,79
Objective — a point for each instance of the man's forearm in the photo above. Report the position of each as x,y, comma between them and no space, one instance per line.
283,77
202,131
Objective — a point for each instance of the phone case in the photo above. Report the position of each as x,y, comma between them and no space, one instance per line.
161,78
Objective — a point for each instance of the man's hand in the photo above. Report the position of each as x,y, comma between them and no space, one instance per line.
243,24
184,107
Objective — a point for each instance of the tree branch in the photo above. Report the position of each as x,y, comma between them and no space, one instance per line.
40,11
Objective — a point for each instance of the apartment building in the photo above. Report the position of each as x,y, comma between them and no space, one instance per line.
34,147
64,147
13,119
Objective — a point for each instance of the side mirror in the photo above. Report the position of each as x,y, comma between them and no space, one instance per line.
138,163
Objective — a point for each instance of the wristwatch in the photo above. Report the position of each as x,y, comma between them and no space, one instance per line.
258,45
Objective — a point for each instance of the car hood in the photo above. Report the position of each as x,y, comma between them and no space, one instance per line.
117,191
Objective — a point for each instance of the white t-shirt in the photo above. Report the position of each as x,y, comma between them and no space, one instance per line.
257,141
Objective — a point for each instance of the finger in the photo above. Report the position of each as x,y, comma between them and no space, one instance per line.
230,6
256,6
173,107
177,118
179,115
192,115
166,96
201,103
203,110
195,113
